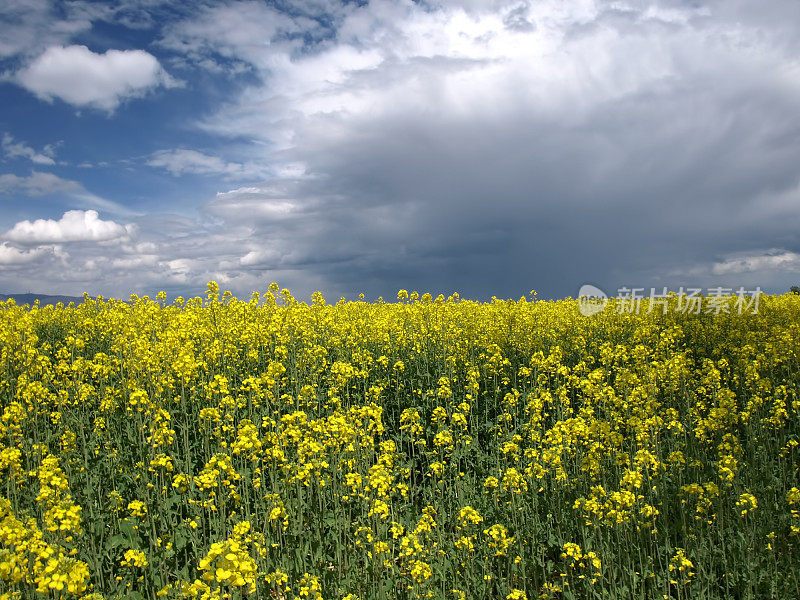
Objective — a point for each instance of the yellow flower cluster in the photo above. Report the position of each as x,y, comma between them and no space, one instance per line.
134,558
230,562
747,503
681,566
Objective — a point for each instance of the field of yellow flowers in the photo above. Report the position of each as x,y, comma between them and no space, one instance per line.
425,448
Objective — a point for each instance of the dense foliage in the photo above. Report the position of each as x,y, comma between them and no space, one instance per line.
428,448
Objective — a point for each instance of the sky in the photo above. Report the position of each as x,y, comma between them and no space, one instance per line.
488,148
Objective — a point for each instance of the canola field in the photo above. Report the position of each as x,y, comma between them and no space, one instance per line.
421,448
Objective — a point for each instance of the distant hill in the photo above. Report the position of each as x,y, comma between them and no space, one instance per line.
44,299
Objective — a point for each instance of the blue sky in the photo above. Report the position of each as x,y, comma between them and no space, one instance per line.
488,148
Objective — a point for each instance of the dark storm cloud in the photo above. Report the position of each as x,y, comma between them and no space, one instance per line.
669,176
662,141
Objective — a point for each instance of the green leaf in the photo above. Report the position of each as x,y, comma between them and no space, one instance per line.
118,540
180,540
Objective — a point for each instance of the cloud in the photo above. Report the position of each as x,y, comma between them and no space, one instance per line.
28,26
495,147
72,192
81,77
73,226
267,202
133,14
37,184
237,33
766,261
14,149
161,251
11,256
183,161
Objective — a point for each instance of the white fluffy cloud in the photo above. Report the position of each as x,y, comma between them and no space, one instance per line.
73,226
81,77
